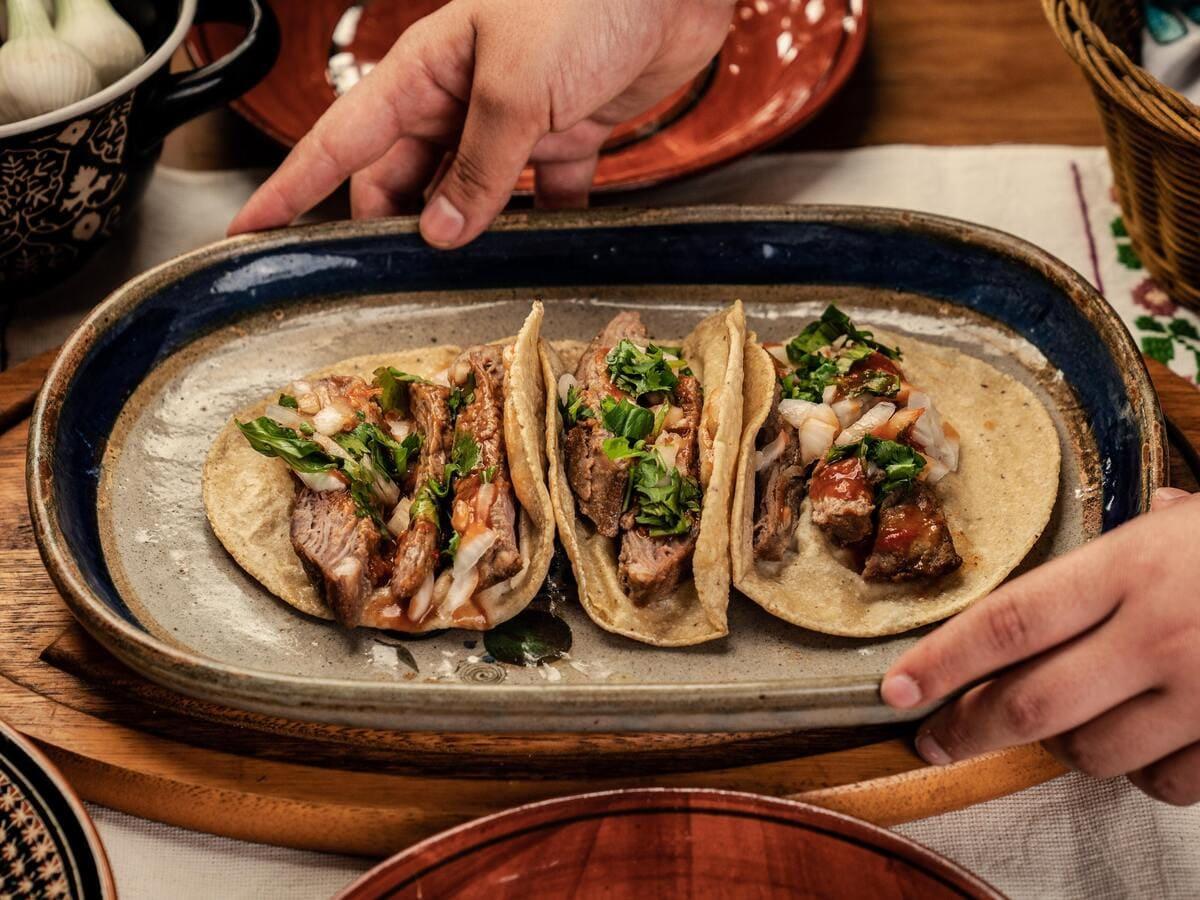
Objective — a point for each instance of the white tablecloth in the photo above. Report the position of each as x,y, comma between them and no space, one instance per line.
1070,838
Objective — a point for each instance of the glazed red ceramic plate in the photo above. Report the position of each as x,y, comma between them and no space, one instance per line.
782,62
667,843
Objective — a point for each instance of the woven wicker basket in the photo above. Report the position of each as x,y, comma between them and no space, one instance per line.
1153,136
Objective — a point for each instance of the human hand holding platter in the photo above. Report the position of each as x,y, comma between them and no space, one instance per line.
1096,654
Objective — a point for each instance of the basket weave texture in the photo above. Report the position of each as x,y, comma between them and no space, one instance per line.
1153,137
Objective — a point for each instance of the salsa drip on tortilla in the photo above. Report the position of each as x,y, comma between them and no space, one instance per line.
848,429
631,417
404,505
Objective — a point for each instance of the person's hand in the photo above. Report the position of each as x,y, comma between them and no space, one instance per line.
1097,654
497,83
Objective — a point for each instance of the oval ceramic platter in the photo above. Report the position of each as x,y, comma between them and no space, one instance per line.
121,431
782,62
48,845
716,845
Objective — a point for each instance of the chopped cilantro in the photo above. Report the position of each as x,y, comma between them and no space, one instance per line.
388,455
289,401
832,325
625,419
667,499
900,463
272,439
393,385
877,382
574,410
464,455
489,473
305,428
640,372
451,549
462,396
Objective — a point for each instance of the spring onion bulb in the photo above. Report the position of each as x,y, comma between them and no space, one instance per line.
41,71
97,31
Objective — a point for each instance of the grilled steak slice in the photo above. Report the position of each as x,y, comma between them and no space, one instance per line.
779,486
340,551
598,483
913,540
843,500
481,504
652,567
417,547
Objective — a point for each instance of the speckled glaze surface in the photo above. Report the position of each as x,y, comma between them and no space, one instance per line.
114,475
48,845
781,64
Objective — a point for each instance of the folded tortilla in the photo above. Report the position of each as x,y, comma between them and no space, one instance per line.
997,504
697,610
249,497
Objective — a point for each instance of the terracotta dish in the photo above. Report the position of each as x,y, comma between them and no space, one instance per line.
782,62
667,843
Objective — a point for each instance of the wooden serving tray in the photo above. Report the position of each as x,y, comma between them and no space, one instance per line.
131,745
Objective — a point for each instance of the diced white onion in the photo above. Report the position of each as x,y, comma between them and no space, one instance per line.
400,520
565,383
840,341
779,351
816,437
829,393
487,598
330,446
422,600
674,417
308,403
869,421
474,545
930,431
321,481
935,470
329,420
400,428
442,378
384,488
770,453
288,418
441,587
797,412
461,590
847,410
484,499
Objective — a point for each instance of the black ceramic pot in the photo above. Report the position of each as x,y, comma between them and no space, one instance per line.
70,177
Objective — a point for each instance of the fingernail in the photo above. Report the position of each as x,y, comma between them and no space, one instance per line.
1167,495
900,691
931,751
441,223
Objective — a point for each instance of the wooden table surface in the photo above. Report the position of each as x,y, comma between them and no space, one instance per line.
934,72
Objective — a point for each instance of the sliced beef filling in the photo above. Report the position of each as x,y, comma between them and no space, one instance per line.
599,483
779,486
341,552
843,501
417,547
913,540
483,498
651,567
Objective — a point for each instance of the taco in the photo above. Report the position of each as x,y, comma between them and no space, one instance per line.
642,440
403,491
883,483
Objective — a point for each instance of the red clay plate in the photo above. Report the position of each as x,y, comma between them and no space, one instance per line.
782,62
667,843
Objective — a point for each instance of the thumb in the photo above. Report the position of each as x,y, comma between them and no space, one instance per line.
1167,496
498,137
